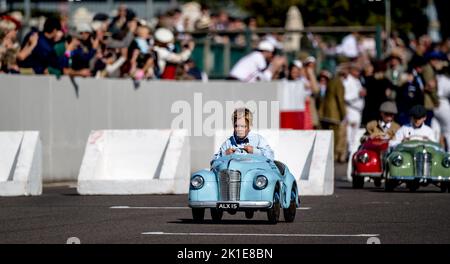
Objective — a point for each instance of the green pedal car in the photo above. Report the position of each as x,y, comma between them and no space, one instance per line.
417,162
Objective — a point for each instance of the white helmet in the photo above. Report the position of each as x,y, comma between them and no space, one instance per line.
298,64
266,46
164,35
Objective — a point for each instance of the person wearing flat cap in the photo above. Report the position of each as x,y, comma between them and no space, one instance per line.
417,127
385,127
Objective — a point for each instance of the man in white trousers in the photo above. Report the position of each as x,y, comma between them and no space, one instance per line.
354,100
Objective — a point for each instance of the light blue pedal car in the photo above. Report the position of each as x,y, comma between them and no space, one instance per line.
244,182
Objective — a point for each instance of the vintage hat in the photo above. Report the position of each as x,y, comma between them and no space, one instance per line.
388,107
164,35
309,59
266,46
325,73
297,64
418,112
84,27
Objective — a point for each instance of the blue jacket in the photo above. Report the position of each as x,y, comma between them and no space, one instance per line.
259,144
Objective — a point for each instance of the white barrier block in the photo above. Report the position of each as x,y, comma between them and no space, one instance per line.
20,163
353,148
135,162
321,179
308,155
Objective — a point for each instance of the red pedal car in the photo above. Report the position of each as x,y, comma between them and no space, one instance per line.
368,162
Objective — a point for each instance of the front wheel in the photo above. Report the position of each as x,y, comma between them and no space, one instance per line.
273,214
357,182
216,214
389,184
198,214
412,186
377,182
249,214
289,213
444,187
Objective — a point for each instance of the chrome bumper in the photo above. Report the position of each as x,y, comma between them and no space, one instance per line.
242,204
369,174
412,178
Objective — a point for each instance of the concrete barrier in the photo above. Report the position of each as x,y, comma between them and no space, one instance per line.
120,162
353,148
20,163
65,111
308,154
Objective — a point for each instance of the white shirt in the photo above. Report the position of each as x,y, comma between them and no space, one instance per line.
348,47
258,142
165,55
443,84
385,126
407,131
353,89
252,68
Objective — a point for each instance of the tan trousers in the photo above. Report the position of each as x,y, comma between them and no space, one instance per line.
340,141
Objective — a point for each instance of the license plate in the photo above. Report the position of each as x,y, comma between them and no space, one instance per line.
227,206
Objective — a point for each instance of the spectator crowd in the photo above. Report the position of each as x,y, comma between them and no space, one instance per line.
121,45
343,98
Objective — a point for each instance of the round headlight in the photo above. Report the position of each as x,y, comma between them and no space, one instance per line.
397,160
446,162
363,158
261,182
197,182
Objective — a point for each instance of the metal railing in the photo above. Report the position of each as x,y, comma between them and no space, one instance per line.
217,59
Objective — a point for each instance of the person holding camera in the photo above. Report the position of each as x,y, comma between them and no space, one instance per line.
38,47
167,59
260,65
80,50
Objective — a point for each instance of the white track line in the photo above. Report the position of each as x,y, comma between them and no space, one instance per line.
264,235
150,207
170,208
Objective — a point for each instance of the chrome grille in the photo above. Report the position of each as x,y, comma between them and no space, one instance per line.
423,164
230,185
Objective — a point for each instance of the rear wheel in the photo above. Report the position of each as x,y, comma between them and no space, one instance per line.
198,214
249,214
289,213
216,214
444,187
389,184
412,186
273,214
377,182
357,182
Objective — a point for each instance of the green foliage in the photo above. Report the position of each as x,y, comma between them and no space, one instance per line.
405,14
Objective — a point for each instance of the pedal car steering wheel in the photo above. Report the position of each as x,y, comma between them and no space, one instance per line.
417,137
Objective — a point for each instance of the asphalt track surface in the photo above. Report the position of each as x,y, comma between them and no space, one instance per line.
348,216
